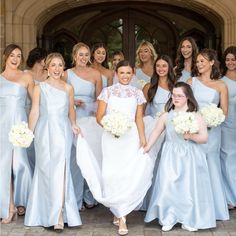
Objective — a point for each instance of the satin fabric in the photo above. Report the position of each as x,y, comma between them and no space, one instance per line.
126,173
85,91
150,120
185,76
182,189
205,95
228,145
13,160
52,188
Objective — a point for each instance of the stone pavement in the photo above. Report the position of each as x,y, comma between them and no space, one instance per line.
97,222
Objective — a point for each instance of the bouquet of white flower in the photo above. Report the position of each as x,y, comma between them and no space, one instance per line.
185,122
116,123
20,135
212,115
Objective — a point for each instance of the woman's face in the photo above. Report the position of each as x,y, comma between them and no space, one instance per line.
162,68
124,74
178,97
203,64
145,54
82,57
100,55
14,59
116,59
56,68
186,49
230,62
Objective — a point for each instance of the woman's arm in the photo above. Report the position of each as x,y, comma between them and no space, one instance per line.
72,114
159,127
102,106
98,82
109,77
202,135
34,112
145,93
224,97
30,83
140,125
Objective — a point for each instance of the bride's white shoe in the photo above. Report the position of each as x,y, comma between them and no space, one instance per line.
189,228
167,227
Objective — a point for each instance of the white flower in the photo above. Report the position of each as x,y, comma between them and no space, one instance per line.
20,135
212,115
116,123
142,82
159,113
185,122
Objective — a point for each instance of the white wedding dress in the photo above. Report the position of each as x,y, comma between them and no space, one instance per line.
125,175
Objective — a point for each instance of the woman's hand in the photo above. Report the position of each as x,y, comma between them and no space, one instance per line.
76,129
146,149
187,136
79,103
143,142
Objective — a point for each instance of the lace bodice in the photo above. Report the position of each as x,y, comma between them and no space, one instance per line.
122,91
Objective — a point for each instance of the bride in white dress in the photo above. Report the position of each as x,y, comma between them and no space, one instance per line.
126,173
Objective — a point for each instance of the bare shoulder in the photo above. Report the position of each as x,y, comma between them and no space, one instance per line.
189,81
94,73
221,85
146,87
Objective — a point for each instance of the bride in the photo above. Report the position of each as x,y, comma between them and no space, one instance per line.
125,174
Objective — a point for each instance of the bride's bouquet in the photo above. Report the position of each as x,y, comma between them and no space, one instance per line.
117,123
185,122
212,115
20,135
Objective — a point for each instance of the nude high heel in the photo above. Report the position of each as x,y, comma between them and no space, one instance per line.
122,231
12,216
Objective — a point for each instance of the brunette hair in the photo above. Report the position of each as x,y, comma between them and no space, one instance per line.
94,48
210,55
155,78
180,59
7,52
36,55
229,50
191,100
123,63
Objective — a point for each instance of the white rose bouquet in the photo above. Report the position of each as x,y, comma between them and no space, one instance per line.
185,122
212,115
20,135
116,123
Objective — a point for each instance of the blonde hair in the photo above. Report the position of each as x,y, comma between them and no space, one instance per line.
53,55
139,63
76,49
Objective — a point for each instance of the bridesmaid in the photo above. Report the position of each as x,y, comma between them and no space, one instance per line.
182,191
52,199
207,88
228,129
36,69
145,57
15,174
87,85
186,58
99,59
157,93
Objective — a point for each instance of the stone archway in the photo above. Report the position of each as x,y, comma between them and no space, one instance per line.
22,21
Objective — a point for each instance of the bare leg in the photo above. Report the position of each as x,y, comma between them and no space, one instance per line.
123,230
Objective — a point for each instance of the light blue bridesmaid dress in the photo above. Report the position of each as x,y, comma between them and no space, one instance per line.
140,75
157,105
185,76
205,95
52,188
182,191
12,110
228,145
85,91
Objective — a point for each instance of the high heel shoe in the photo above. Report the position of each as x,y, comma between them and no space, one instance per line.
21,210
12,216
123,231
58,228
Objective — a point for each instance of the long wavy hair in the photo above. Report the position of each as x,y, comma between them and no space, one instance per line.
191,100
155,78
94,48
210,55
229,50
180,59
7,52
139,63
